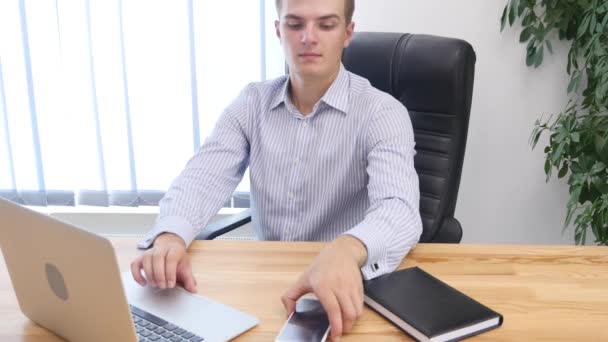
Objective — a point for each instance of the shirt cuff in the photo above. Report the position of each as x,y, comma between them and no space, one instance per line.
376,264
169,224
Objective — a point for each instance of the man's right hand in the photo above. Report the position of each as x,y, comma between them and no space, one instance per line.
165,264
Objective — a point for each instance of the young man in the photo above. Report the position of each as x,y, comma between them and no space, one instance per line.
330,159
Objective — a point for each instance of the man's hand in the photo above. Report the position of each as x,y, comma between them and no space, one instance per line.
335,278
165,264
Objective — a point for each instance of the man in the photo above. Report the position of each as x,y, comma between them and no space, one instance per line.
330,159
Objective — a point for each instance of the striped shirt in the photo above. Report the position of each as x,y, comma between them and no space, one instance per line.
345,168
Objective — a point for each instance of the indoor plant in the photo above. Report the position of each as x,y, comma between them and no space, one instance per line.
578,136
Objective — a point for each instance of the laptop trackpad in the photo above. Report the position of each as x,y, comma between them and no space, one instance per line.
202,316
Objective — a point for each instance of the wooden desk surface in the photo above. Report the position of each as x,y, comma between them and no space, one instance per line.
546,293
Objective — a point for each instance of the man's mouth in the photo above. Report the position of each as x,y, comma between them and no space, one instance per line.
310,54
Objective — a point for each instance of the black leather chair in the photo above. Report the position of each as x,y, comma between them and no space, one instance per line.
433,77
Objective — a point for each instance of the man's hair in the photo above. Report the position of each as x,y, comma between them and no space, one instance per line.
349,9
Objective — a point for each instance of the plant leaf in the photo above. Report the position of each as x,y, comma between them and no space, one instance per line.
548,167
572,86
562,172
539,32
575,195
503,18
521,7
549,47
600,147
583,27
571,210
582,198
536,137
569,66
599,49
530,57
557,155
538,58
598,167
528,18
525,34
576,168
605,21
601,185
512,12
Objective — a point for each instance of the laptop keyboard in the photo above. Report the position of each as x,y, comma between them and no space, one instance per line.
151,328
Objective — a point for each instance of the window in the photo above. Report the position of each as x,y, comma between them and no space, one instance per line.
102,102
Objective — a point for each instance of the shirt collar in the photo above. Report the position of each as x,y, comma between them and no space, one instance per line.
281,96
336,95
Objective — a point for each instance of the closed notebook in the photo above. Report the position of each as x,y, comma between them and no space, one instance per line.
427,308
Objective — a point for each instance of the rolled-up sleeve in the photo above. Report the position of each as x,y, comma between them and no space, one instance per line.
208,179
392,225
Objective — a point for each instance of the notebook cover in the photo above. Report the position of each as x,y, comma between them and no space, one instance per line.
426,303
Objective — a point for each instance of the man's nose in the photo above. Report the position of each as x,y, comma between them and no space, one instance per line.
309,35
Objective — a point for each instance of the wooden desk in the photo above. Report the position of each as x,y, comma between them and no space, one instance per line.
546,293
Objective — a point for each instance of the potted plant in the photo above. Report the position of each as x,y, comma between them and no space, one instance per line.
578,136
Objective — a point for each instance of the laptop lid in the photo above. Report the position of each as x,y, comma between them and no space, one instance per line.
67,280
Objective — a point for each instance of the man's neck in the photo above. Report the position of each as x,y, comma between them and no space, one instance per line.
306,92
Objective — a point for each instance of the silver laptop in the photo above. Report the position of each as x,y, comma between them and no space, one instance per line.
67,280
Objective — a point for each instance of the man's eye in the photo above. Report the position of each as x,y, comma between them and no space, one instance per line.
294,26
327,26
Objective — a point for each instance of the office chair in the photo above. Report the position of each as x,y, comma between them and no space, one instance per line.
433,77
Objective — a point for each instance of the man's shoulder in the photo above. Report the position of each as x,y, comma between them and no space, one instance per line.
266,89
363,93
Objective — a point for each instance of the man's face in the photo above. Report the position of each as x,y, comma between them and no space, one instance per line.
313,34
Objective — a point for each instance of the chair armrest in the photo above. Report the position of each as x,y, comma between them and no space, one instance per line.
450,231
224,225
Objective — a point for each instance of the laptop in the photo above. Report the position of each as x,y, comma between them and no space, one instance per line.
67,280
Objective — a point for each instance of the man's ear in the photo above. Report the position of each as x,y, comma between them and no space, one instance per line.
350,29
276,29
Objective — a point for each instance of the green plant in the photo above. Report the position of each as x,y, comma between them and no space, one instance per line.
578,136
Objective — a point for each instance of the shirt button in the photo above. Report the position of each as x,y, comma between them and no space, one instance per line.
296,161
304,124
290,194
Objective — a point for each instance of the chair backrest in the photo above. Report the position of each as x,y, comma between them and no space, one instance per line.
433,77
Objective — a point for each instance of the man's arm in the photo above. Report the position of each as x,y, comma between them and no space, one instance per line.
335,278
193,199
392,224
208,179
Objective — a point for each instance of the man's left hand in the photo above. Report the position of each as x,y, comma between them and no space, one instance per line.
335,278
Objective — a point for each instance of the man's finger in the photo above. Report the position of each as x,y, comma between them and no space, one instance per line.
332,308
158,266
358,304
136,266
185,275
147,264
349,311
172,260
294,293
358,299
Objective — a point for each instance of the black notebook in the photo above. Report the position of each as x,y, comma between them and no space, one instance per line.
427,308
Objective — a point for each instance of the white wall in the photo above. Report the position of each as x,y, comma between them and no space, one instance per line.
503,196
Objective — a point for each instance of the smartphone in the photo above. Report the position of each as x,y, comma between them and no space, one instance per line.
308,323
